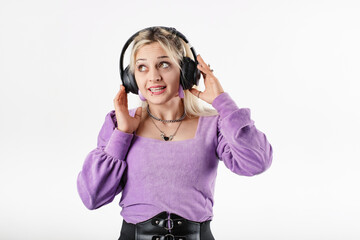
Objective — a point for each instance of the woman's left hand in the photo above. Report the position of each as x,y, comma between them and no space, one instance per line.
213,87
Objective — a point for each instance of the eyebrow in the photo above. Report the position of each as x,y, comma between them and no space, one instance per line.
144,59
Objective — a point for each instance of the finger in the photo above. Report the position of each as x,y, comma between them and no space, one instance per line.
121,98
203,70
124,99
117,96
204,76
138,113
201,60
194,91
206,69
120,89
204,66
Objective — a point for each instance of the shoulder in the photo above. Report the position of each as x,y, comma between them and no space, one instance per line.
209,121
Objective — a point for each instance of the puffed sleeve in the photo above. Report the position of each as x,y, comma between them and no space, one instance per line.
100,179
244,149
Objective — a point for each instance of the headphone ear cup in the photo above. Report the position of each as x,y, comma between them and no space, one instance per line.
190,74
129,81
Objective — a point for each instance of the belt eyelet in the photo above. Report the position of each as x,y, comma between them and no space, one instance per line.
169,235
171,224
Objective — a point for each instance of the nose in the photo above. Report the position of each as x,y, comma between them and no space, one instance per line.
154,75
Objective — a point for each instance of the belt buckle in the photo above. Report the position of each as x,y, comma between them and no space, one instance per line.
171,224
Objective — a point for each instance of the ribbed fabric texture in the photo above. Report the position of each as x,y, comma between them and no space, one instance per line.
174,176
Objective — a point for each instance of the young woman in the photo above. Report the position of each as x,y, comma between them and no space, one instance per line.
163,156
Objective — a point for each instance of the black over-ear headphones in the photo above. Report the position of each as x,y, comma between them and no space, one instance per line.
189,76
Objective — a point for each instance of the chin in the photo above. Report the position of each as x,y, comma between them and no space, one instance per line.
163,99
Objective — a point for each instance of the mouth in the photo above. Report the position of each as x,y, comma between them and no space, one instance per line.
157,89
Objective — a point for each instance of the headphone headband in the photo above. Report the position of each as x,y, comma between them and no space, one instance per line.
169,29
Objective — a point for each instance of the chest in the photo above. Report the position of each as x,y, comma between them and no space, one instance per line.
157,163
183,130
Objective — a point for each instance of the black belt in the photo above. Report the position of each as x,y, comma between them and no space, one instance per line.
162,227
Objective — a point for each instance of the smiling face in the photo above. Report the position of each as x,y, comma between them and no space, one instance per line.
154,68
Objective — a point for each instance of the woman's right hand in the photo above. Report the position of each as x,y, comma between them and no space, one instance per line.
125,122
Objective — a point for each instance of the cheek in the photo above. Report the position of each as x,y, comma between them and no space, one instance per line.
173,77
139,80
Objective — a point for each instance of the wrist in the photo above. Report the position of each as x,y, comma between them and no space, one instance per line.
123,130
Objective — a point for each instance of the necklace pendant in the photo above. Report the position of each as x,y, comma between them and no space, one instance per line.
165,137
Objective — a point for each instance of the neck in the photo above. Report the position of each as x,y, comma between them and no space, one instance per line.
170,110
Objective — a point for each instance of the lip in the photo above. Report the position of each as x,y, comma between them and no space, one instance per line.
156,86
157,93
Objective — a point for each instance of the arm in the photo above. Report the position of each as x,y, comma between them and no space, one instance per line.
100,179
243,148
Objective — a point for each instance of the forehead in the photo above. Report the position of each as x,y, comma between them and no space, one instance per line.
152,50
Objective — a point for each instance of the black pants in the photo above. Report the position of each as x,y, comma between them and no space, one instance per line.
128,231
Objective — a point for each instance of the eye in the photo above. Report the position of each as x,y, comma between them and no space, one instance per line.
164,64
141,68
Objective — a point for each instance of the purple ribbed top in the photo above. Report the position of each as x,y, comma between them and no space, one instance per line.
173,176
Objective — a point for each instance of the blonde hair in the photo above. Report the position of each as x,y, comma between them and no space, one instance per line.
176,48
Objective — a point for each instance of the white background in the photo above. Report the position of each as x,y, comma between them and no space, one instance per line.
295,64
